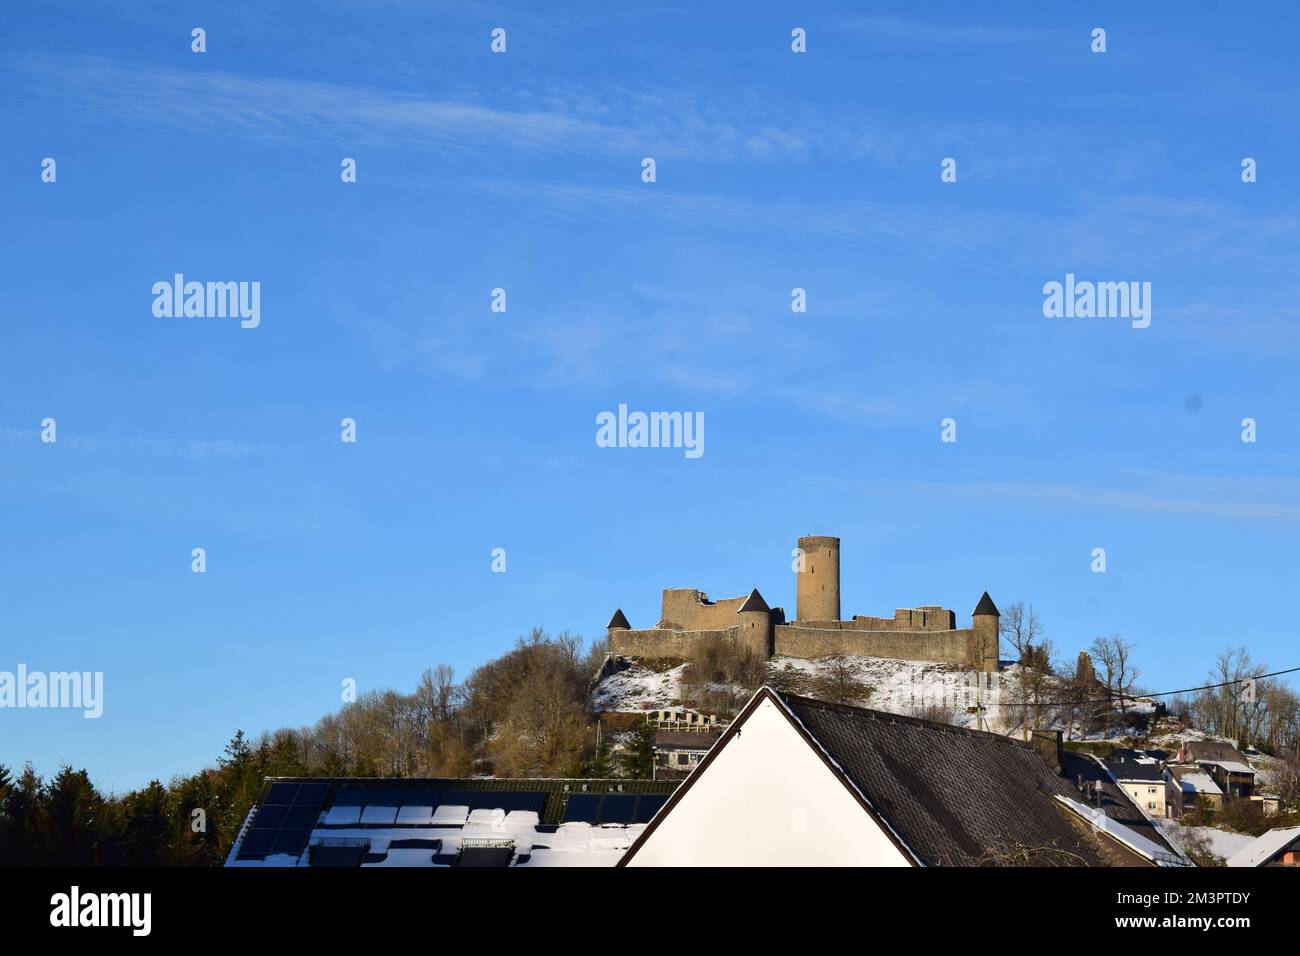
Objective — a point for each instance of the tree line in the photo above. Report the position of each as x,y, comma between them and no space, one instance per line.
525,714
1094,694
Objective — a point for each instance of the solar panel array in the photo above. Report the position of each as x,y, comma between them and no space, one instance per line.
292,809
613,807
284,821
507,800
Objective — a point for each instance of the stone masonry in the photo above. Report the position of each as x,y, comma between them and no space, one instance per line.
928,633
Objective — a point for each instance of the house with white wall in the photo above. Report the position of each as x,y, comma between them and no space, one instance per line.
800,782
1142,777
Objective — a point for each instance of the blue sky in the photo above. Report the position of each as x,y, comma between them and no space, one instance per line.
476,430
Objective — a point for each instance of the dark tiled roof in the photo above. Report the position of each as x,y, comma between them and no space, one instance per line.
1125,766
1080,768
955,797
985,606
685,740
1212,751
619,620
754,602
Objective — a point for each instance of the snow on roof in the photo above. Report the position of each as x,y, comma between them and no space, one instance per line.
1138,844
1222,843
1262,849
1230,765
1198,781
569,844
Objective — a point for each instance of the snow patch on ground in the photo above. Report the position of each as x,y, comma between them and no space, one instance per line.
1223,843
638,688
914,688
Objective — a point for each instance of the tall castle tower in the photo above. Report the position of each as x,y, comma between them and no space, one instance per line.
817,594
986,619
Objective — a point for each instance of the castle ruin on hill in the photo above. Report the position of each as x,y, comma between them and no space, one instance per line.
928,633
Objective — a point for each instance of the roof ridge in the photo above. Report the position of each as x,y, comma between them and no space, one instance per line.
920,721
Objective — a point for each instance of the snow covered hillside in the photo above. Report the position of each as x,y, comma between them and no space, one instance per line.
916,688
943,692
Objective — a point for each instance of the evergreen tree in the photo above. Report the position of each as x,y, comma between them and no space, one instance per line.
76,819
25,814
638,758
8,849
145,827
599,766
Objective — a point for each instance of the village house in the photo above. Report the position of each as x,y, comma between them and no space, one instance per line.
1225,764
1100,790
801,782
1279,847
1187,786
682,738
677,753
1142,776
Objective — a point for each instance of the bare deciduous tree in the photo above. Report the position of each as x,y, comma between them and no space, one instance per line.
1020,627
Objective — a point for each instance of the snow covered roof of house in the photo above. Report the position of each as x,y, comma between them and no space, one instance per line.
1159,854
1231,766
953,797
1264,848
1090,776
1133,765
1196,781
445,822
1214,751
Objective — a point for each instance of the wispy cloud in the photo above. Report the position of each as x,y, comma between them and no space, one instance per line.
547,117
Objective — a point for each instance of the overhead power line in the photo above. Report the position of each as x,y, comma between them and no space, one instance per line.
1167,693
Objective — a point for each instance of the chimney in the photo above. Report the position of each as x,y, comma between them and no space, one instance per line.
1048,745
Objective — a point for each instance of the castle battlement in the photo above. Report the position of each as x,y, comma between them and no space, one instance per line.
926,633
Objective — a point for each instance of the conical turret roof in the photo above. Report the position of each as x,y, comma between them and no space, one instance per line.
986,607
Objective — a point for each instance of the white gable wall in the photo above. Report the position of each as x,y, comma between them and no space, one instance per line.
767,799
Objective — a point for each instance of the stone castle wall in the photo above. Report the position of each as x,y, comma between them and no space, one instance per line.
664,642
688,609
929,618
926,633
804,639
958,646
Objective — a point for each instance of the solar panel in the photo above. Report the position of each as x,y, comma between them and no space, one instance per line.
257,843
383,798
521,800
648,806
421,798
284,821
289,841
617,808
343,814
375,813
311,793
461,798
582,807
281,793
349,797
302,816
270,817
485,856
